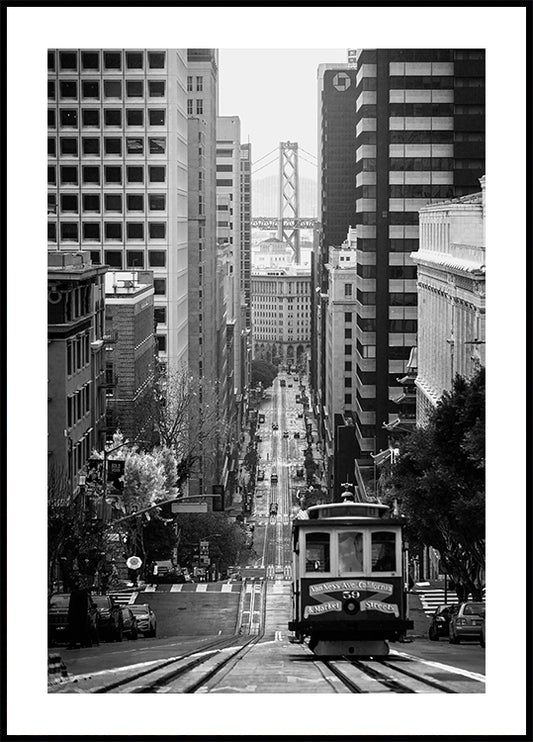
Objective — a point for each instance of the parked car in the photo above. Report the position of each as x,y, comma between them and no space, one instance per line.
440,622
273,477
300,472
482,632
129,623
260,475
300,414
275,426
296,434
110,624
466,622
58,619
285,433
146,619
290,385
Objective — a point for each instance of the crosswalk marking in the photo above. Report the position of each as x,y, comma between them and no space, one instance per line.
150,589
225,588
175,588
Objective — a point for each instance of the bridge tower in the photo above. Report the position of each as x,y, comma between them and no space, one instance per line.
289,232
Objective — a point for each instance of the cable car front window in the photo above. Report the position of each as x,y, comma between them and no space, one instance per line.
351,551
383,551
317,552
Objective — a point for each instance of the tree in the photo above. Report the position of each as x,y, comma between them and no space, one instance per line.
224,548
264,372
439,479
74,539
182,415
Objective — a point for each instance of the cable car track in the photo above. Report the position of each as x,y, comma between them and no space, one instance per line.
164,676
367,675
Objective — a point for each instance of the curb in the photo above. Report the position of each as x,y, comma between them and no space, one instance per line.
57,670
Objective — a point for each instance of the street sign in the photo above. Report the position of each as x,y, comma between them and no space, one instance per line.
134,562
189,507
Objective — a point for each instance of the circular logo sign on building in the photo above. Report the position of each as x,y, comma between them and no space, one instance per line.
341,82
134,562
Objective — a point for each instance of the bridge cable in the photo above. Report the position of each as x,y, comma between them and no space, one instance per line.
263,157
265,165
314,164
308,153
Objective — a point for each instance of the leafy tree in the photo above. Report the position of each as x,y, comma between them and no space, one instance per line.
224,548
264,372
439,479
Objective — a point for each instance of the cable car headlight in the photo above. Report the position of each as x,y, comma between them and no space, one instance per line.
351,606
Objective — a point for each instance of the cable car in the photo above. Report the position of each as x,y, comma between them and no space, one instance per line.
349,591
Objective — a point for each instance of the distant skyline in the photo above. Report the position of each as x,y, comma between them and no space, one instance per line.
274,93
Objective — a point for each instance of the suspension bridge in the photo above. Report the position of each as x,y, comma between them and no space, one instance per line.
288,221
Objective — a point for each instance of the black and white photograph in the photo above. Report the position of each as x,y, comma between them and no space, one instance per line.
251,452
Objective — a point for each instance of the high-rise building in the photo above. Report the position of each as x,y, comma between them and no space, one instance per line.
130,352
246,266
202,108
76,364
420,134
117,170
228,200
281,316
336,201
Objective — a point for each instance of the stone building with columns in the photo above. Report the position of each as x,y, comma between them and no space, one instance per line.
281,307
451,296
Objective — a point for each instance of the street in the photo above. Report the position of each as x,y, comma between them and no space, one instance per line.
206,624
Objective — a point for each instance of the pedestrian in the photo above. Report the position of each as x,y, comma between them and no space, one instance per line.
79,628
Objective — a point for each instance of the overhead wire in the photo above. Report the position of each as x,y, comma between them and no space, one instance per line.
308,153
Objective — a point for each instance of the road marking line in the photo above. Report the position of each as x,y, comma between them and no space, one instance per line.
441,666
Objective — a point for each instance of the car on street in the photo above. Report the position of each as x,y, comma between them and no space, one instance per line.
285,433
300,472
297,434
58,618
274,477
260,475
482,632
466,621
258,439
146,619
110,623
440,622
300,414
164,572
129,623
275,426
290,385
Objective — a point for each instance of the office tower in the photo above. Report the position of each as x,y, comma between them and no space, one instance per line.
202,107
420,132
228,168
336,201
281,316
130,352
117,171
76,366
246,265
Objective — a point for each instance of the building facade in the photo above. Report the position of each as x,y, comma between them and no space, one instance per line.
420,134
228,204
130,352
117,170
246,266
202,110
76,363
336,201
451,296
281,310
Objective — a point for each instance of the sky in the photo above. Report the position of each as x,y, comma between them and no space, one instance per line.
274,92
